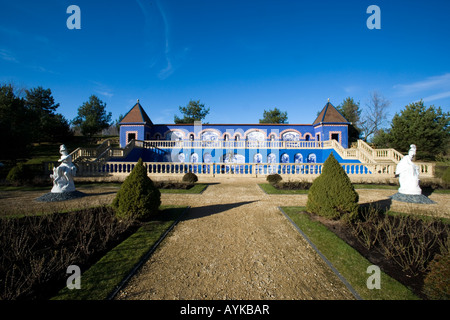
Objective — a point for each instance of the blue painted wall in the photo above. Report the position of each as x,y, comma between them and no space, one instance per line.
172,155
142,131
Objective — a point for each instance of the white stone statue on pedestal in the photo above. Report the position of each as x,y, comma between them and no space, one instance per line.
408,174
63,175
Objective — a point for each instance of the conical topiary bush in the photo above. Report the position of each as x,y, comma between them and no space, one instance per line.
332,194
138,197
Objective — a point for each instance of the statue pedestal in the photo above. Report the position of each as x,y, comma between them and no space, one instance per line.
60,196
412,198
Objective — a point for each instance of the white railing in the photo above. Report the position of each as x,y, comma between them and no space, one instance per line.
196,144
364,153
243,169
92,152
379,154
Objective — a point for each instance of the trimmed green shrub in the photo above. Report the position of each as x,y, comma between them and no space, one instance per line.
138,197
332,194
436,283
293,185
190,177
446,177
274,178
18,174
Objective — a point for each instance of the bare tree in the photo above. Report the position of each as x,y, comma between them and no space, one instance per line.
375,116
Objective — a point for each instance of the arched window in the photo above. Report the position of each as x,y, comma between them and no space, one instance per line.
191,137
312,158
257,158
207,158
194,157
271,158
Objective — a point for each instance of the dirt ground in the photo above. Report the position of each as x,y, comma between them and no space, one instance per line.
24,202
233,244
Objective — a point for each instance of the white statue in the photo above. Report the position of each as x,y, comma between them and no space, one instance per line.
408,174
63,175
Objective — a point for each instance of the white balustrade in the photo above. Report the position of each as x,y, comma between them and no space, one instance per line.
243,169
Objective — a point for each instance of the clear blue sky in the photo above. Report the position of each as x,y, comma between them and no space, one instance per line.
238,57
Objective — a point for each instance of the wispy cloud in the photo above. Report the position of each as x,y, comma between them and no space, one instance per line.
102,89
165,115
161,53
351,89
14,33
42,69
438,96
7,55
435,83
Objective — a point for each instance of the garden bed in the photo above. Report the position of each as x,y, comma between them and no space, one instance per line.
389,252
36,250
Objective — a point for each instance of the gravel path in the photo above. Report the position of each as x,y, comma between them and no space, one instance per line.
235,244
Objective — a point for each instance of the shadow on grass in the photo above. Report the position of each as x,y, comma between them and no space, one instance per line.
380,205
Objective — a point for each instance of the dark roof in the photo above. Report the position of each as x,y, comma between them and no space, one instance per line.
329,114
136,115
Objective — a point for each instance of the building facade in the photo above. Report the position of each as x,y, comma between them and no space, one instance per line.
234,143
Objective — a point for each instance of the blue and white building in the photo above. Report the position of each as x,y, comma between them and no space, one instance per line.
235,143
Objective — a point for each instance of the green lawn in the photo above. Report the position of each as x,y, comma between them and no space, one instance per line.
350,264
196,189
100,280
268,188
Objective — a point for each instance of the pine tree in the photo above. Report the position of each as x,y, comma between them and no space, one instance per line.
427,128
332,194
274,116
352,113
92,117
193,111
138,197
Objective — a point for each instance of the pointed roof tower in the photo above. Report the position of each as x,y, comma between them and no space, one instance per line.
329,114
137,114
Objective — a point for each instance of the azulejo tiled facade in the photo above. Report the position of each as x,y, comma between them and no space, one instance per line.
238,143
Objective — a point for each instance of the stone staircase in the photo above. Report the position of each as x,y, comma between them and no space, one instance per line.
106,151
366,154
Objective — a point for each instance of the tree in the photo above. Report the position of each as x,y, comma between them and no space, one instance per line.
427,128
351,111
193,111
332,194
274,116
14,119
138,197
45,124
375,116
92,116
